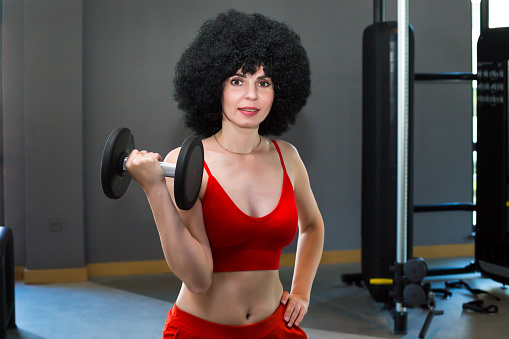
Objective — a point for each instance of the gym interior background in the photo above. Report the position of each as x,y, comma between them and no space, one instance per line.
73,70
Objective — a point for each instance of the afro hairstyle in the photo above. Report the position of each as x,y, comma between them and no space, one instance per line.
232,41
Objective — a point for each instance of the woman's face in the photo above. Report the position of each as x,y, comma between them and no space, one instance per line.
247,98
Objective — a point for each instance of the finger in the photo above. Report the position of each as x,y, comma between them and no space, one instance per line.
302,313
294,315
156,156
284,297
133,153
289,309
130,158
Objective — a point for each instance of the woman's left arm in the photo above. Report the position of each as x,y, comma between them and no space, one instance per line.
310,241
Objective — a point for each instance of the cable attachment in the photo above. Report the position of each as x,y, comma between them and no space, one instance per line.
478,306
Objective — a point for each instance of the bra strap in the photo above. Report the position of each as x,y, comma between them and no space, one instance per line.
207,168
280,155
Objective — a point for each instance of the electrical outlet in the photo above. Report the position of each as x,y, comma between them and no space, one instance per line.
55,225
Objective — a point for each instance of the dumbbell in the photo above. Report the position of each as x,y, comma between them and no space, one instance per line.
187,172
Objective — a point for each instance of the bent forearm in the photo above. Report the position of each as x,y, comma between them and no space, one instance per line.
187,258
309,253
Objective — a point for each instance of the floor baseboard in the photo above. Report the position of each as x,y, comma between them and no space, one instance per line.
160,266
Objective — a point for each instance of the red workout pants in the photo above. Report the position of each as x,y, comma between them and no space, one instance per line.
180,324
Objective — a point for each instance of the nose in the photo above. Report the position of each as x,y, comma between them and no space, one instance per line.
251,91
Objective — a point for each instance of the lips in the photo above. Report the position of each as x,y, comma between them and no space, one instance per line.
249,111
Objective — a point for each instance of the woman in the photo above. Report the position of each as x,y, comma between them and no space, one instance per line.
244,77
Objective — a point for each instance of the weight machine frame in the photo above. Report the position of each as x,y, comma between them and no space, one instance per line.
403,210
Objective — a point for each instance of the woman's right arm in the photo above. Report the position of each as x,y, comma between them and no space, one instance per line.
182,233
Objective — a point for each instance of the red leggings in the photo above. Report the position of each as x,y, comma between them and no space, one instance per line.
180,324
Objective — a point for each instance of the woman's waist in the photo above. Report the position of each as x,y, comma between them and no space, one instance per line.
235,298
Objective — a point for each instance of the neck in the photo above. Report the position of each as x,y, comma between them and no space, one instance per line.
239,141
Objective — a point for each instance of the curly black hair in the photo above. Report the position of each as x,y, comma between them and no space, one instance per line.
233,41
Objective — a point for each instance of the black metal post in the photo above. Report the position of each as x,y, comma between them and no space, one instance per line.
450,206
400,317
450,76
485,15
378,11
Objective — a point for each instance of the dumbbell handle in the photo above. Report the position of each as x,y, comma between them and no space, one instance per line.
168,169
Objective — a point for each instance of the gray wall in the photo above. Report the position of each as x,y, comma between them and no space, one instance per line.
43,131
13,69
128,51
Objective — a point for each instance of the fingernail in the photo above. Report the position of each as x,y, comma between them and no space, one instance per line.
287,318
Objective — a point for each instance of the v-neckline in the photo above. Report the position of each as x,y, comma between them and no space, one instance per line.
241,212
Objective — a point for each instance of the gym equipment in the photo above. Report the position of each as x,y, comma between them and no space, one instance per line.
408,290
406,285
432,312
387,182
448,76
386,215
7,302
188,171
386,232
492,229
379,157
478,306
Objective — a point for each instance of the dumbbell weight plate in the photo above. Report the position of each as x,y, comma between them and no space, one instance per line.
415,269
114,179
188,173
414,295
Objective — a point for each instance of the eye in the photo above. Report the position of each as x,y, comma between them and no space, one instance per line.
236,82
264,83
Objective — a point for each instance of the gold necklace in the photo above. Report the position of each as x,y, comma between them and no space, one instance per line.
227,150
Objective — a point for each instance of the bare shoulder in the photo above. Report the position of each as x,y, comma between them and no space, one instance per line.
289,152
294,165
172,156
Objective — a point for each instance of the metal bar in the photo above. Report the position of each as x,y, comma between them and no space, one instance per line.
452,76
485,15
402,129
470,268
168,169
449,206
427,322
378,11
402,146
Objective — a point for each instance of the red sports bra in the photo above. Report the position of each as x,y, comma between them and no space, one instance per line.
240,242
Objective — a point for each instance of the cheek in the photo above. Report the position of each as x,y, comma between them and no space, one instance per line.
225,100
269,100
229,98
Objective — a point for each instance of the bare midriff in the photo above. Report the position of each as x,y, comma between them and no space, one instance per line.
235,298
